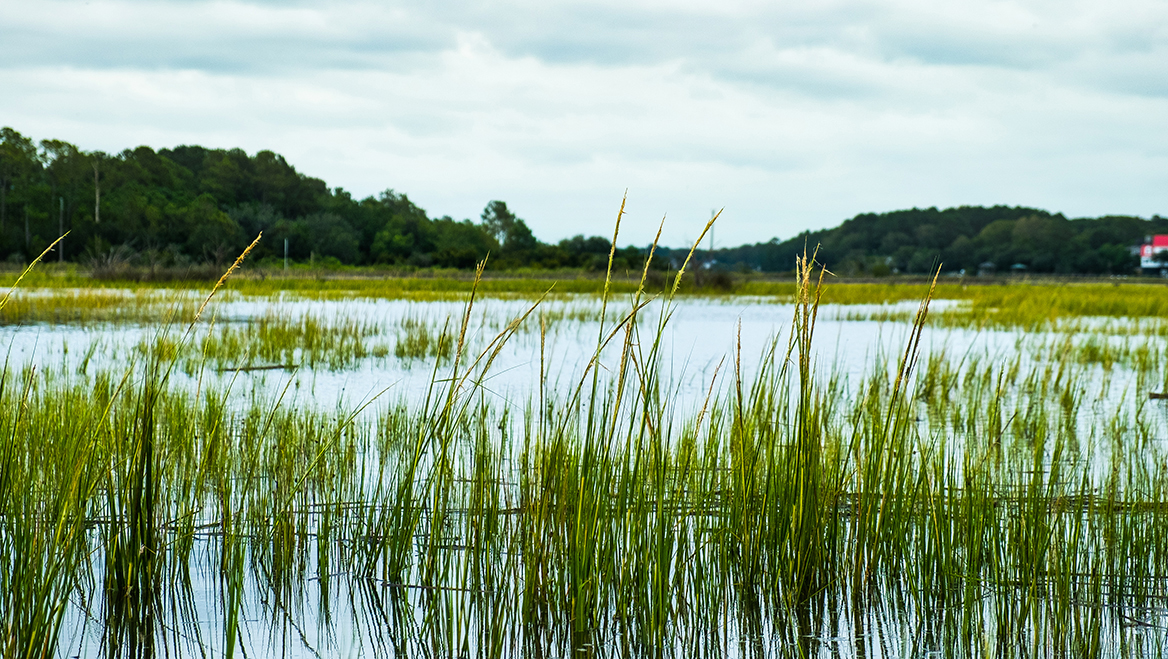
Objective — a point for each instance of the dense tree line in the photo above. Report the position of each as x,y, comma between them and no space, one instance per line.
187,205
1001,238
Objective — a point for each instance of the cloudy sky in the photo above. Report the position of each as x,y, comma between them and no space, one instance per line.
790,115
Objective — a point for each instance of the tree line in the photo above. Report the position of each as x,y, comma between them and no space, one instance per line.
191,205
970,238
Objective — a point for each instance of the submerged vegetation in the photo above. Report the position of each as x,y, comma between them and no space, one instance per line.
998,504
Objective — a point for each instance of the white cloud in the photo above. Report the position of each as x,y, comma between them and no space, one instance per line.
792,116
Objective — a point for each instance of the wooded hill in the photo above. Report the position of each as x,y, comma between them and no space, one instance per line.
190,205
187,205
915,241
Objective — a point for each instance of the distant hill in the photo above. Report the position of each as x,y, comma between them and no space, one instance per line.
912,241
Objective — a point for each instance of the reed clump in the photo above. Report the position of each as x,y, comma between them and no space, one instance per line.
417,339
308,340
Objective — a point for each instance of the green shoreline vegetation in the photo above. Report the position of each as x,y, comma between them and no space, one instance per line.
184,212
966,505
1030,304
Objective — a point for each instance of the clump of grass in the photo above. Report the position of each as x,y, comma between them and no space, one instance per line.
308,340
417,340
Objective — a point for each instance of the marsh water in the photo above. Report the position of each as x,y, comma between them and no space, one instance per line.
371,477
699,335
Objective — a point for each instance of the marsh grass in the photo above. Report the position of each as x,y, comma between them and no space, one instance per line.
446,286
1127,308
87,307
417,339
309,340
968,505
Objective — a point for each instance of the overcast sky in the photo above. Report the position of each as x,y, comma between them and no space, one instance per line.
790,115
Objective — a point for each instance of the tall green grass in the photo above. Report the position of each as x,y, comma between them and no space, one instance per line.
968,505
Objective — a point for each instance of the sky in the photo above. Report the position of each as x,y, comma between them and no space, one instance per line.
790,116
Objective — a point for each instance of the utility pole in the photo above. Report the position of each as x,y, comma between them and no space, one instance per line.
61,232
96,195
285,256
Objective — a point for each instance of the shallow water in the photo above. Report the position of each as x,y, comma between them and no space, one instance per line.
702,337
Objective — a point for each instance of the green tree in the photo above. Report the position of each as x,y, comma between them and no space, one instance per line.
404,234
19,168
66,169
332,236
515,239
460,244
225,176
209,232
589,253
18,161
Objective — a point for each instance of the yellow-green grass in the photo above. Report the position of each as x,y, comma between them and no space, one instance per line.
445,286
1005,303
96,305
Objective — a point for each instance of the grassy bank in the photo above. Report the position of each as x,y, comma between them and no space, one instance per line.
455,284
